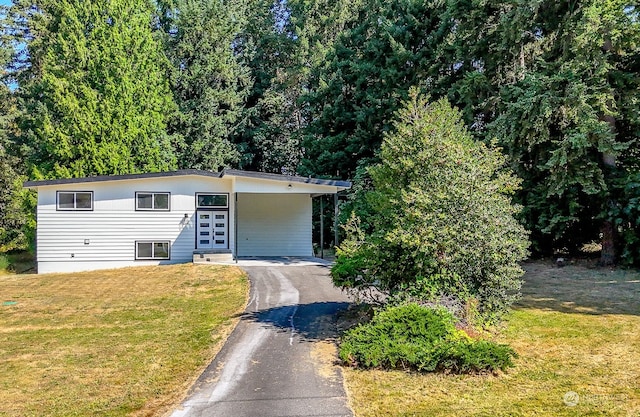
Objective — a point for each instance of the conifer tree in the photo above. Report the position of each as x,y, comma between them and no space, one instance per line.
209,82
95,91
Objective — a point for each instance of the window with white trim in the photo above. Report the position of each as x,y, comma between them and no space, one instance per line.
153,250
74,200
212,200
152,201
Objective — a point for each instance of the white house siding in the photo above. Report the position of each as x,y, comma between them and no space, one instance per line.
113,226
274,225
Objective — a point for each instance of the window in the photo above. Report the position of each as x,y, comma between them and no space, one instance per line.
152,250
152,201
212,200
74,200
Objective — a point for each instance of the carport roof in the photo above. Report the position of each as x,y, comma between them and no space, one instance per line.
196,172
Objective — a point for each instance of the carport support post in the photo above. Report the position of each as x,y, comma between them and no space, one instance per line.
321,227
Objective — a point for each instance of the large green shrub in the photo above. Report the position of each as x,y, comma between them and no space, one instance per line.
422,339
441,218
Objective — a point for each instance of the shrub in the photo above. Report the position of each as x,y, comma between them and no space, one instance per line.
423,339
439,219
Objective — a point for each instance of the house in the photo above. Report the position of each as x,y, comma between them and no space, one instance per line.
172,217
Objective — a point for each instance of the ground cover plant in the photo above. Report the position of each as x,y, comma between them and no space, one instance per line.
576,330
412,337
119,342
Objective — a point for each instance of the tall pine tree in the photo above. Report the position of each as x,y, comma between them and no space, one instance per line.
95,90
209,82
386,49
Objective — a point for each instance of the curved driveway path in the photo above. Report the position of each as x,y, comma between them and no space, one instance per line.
279,359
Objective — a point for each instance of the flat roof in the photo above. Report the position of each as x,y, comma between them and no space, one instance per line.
196,172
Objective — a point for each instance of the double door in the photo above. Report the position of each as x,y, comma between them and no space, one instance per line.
212,229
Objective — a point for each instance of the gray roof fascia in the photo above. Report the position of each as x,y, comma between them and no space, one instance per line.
285,178
101,178
197,172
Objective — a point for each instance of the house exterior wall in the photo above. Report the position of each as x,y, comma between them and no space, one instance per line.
113,226
274,224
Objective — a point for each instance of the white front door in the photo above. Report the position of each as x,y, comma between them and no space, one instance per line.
211,232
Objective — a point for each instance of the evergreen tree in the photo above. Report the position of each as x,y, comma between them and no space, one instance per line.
95,92
16,204
285,43
443,221
558,87
387,48
209,83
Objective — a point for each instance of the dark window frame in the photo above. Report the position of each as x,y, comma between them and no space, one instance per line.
199,207
75,200
153,193
153,257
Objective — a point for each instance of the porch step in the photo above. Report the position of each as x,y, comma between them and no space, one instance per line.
212,256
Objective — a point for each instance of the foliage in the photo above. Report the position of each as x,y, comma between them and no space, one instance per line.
284,43
422,339
17,205
627,215
96,99
210,84
385,49
17,223
557,83
442,218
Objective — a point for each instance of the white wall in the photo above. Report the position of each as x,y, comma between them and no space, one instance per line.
113,226
274,225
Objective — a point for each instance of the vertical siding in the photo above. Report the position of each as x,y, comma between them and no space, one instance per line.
274,225
113,226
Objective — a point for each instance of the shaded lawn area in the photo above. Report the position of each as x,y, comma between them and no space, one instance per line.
120,342
576,329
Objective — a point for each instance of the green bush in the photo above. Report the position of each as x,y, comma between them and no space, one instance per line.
437,219
4,262
412,337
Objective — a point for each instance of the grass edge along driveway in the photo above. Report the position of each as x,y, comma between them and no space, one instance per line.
119,342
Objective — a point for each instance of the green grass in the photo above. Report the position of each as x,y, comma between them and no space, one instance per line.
118,342
576,330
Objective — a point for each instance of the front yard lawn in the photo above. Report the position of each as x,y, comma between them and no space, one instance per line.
577,331
120,342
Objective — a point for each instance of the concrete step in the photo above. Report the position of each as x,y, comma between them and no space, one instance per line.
212,256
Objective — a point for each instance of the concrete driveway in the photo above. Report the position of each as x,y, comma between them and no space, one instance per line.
279,361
